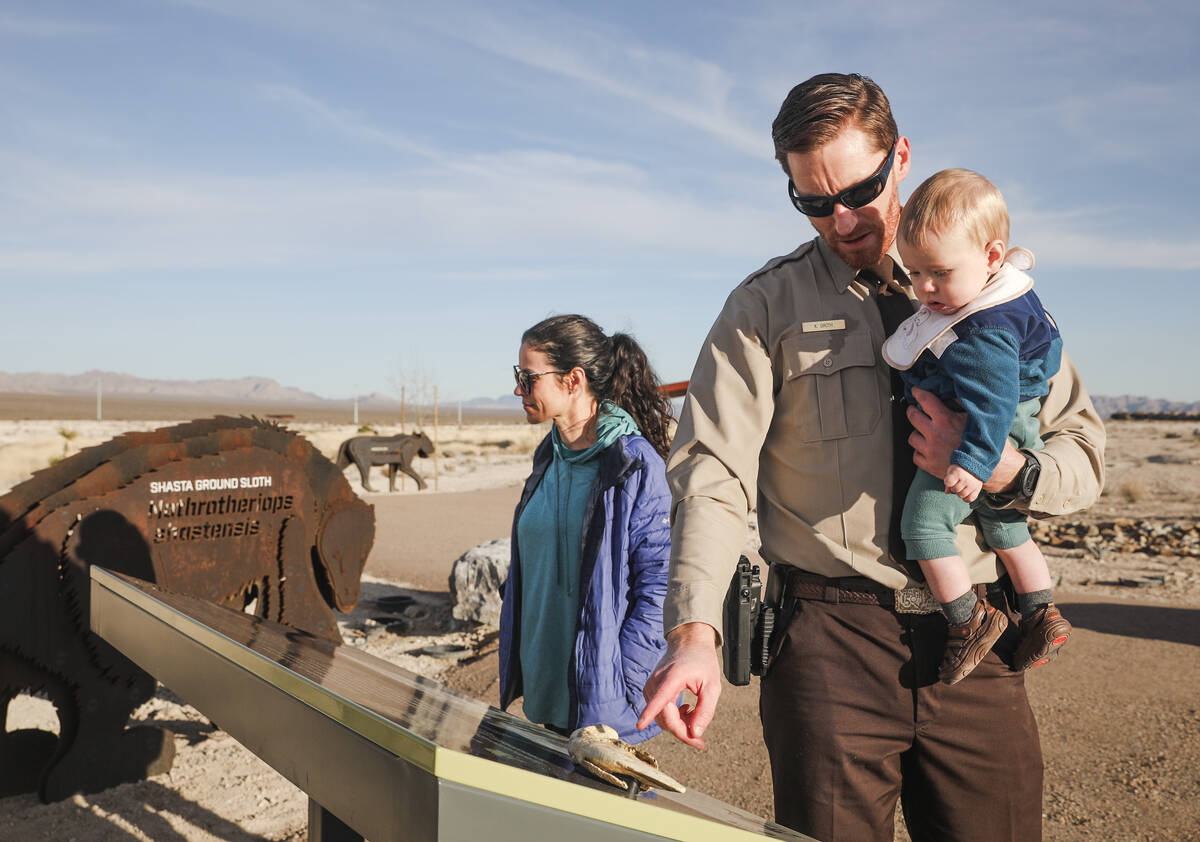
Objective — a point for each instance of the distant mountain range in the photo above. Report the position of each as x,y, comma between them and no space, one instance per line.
242,389
266,390
1106,405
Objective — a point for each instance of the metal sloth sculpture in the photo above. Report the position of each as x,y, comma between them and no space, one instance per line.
236,511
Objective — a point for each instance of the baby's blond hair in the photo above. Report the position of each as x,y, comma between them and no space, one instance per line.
955,200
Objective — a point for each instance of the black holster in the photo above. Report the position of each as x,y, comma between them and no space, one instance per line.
754,620
739,619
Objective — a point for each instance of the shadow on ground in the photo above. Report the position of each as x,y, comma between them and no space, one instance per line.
161,814
1149,622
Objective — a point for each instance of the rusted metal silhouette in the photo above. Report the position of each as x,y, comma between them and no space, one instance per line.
236,511
393,451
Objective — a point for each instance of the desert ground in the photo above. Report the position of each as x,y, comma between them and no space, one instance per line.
1119,712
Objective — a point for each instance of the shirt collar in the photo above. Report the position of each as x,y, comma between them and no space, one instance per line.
843,275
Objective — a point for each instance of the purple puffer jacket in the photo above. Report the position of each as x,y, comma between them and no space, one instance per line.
626,551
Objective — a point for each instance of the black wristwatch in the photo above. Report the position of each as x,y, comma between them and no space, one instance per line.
1023,486
1027,477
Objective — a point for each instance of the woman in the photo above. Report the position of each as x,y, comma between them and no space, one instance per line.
581,624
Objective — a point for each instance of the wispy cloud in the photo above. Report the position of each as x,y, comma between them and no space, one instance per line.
343,121
1075,249
557,206
47,27
683,88
691,91
1121,121
1091,238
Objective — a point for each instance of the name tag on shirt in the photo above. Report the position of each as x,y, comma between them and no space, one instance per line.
828,324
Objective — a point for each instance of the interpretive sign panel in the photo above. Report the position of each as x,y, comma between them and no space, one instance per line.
391,754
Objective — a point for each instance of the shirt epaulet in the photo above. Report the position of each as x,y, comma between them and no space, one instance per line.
774,263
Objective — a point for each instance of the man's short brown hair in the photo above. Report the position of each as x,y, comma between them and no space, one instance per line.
815,111
955,200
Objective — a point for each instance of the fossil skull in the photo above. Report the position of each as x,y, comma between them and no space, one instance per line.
599,750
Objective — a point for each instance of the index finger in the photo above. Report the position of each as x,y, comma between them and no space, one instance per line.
662,695
661,707
928,402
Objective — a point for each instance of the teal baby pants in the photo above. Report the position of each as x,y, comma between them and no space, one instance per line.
931,516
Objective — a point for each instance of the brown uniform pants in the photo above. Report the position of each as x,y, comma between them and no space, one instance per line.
854,716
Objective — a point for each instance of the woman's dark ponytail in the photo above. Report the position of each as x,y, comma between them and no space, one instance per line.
635,388
617,370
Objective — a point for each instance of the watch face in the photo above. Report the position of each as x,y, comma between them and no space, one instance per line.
1029,476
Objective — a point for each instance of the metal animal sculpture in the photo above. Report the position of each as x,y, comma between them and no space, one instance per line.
393,451
598,749
237,511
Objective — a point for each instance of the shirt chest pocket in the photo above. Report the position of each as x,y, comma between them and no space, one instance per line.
831,384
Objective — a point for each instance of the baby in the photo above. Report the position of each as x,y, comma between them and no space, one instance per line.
981,342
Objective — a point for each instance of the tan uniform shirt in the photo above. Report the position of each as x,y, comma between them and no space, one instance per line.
788,412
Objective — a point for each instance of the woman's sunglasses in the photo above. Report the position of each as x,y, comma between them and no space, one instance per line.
853,197
525,379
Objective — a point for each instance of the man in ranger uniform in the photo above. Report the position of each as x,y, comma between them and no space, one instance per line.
792,412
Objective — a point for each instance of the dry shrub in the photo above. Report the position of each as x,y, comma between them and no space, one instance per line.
1133,491
526,446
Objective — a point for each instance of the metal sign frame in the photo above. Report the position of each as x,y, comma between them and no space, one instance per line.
390,754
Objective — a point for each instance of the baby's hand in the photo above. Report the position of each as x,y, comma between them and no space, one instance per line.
962,482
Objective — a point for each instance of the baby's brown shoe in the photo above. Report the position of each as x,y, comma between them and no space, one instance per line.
967,643
1042,635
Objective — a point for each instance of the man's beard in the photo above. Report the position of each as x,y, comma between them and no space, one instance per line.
887,230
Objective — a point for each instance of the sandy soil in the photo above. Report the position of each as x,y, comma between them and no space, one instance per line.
1119,712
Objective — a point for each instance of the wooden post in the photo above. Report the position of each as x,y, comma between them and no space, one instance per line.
435,438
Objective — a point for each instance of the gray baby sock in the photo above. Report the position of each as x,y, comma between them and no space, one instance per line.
960,609
1029,603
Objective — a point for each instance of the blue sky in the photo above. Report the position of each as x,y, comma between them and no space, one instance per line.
341,195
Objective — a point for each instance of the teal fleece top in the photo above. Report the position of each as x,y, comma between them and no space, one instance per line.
550,538
1003,356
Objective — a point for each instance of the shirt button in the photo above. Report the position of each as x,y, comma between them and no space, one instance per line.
827,362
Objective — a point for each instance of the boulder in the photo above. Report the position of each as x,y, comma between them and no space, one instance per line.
477,582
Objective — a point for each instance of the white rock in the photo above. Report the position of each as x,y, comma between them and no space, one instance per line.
477,582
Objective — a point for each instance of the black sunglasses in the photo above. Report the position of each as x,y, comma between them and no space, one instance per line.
525,379
853,197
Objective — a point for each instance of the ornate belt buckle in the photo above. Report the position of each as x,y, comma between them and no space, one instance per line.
915,601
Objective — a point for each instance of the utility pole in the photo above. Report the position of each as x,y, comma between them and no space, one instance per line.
435,439
99,400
